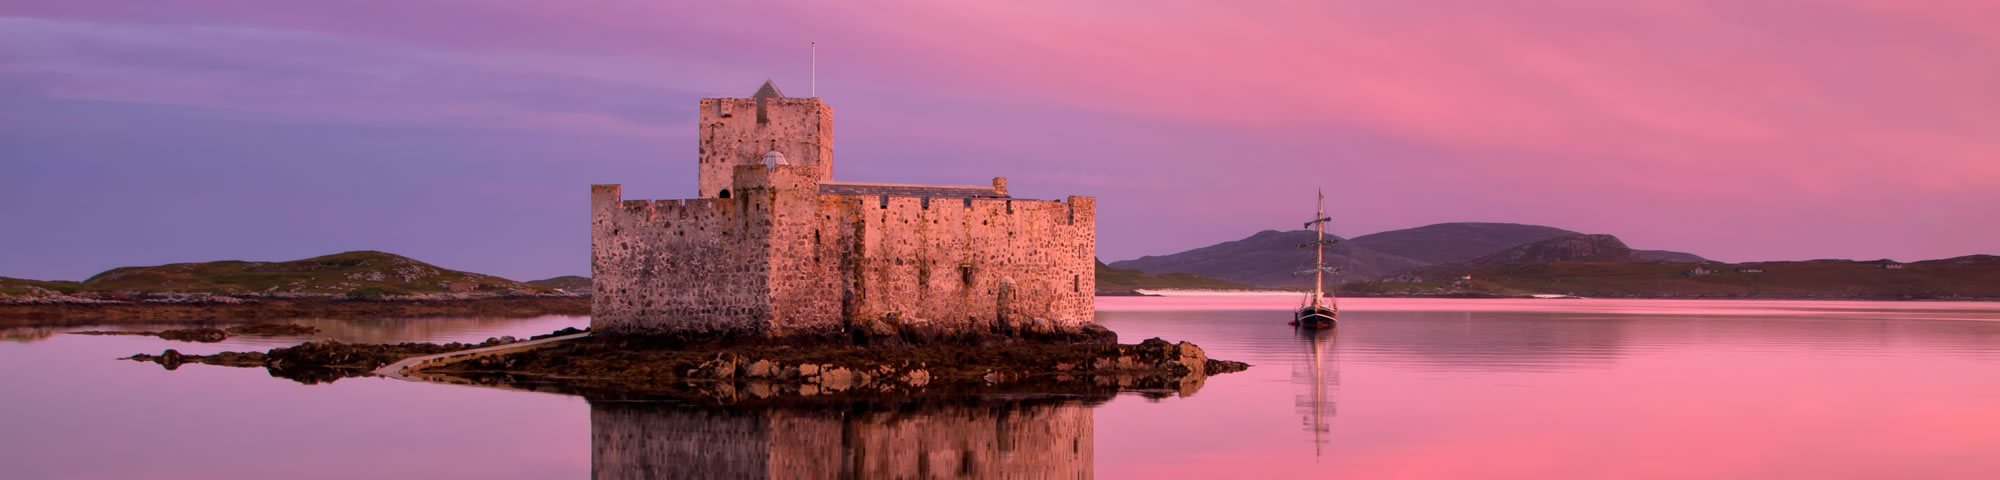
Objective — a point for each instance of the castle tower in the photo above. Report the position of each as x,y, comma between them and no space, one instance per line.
743,131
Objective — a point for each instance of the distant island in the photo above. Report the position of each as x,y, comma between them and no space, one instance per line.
356,284
1443,260
1973,277
1470,259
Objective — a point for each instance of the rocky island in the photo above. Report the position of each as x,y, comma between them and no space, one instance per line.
744,371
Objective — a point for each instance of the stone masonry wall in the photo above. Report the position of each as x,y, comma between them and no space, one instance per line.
776,259
731,135
697,265
950,261
806,258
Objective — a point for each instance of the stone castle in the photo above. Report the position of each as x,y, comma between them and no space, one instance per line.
772,245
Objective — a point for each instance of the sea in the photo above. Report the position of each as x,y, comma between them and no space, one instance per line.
1400,388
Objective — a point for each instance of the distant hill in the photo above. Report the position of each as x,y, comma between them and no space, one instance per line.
1112,280
1976,276
570,283
1566,248
1456,242
1268,258
1670,256
338,273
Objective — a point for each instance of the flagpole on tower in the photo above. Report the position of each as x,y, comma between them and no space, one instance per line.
815,70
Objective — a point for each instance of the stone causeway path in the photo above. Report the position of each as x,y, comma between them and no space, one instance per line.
395,370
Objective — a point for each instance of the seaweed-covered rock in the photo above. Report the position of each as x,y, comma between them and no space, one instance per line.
760,369
204,335
720,367
1192,357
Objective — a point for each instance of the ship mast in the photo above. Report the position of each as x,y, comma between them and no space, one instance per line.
1319,250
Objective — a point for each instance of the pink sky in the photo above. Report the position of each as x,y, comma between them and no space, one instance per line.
1738,130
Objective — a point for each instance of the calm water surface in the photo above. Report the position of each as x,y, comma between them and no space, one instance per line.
1403,389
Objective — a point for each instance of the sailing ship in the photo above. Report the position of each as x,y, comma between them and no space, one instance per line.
1318,309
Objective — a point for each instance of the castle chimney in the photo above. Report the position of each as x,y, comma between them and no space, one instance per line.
1000,186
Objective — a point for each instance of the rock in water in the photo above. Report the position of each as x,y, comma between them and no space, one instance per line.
760,369
1193,358
171,359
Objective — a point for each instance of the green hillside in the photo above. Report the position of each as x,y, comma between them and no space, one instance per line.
1976,276
18,286
1113,279
369,272
571,283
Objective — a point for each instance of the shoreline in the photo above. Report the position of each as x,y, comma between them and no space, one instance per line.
1478,296
265,309
271,309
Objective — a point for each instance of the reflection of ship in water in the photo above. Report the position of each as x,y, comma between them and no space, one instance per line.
1319,371
975,438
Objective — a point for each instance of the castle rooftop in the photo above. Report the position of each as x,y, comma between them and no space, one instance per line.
909,190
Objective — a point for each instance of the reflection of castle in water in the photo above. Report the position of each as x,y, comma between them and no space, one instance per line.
1319,371
974,438
27,334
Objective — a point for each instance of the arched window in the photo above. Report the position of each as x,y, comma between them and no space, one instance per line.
724,194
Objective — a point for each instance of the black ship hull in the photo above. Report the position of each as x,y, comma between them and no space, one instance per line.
1313,317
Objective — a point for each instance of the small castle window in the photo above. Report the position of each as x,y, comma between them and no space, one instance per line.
723,194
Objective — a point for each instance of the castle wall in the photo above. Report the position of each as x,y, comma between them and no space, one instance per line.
806,248
731,135
951,261
811,261
697,265
775,259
